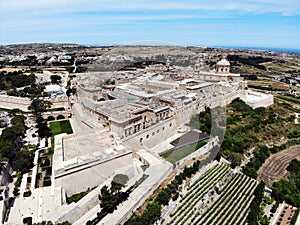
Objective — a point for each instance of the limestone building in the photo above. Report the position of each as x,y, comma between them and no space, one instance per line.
220,73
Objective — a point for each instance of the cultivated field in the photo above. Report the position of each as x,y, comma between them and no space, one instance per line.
220,196
275,166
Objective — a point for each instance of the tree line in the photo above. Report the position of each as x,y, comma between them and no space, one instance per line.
21,159
289,190
111,197
15,79
254,208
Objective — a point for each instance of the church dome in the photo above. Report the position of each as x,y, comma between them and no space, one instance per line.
223,62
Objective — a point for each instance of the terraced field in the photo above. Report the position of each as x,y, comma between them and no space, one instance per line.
219,197
275,166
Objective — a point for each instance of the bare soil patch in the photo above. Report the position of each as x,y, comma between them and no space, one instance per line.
275,166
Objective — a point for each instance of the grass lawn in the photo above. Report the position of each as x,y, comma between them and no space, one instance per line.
56,109
180,153
59,127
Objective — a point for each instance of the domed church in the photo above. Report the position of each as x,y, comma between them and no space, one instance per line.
221,73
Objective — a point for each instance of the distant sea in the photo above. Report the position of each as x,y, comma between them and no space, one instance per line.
292,50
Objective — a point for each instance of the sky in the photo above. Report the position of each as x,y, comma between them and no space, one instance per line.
249,23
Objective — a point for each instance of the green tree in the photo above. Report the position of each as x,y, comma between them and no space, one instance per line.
163,197
23,161
108,200
43,129
71,91
38,106
6,147
118,182
55,79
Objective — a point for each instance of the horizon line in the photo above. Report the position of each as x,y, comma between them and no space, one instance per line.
266,48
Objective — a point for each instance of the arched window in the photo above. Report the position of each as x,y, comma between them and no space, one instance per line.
50,118
60,117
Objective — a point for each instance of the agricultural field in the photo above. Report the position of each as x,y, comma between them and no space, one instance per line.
282,67
268,84
219,196
275,166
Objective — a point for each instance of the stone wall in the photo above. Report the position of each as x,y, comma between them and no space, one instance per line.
201,151
184,114
59,101
91,174
257,99
76,175
153,135
11,102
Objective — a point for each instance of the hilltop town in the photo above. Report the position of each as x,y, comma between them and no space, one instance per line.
163,134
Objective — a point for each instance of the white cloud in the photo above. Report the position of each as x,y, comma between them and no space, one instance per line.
286,7
115,20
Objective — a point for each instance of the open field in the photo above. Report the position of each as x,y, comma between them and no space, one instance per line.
275,166
290,99
282,67
247,69
276,85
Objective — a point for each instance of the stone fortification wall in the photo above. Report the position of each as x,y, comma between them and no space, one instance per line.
184,114
75,175
224,99
91,174
59,101
201,151
256,99
11,102
80,208
153,135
